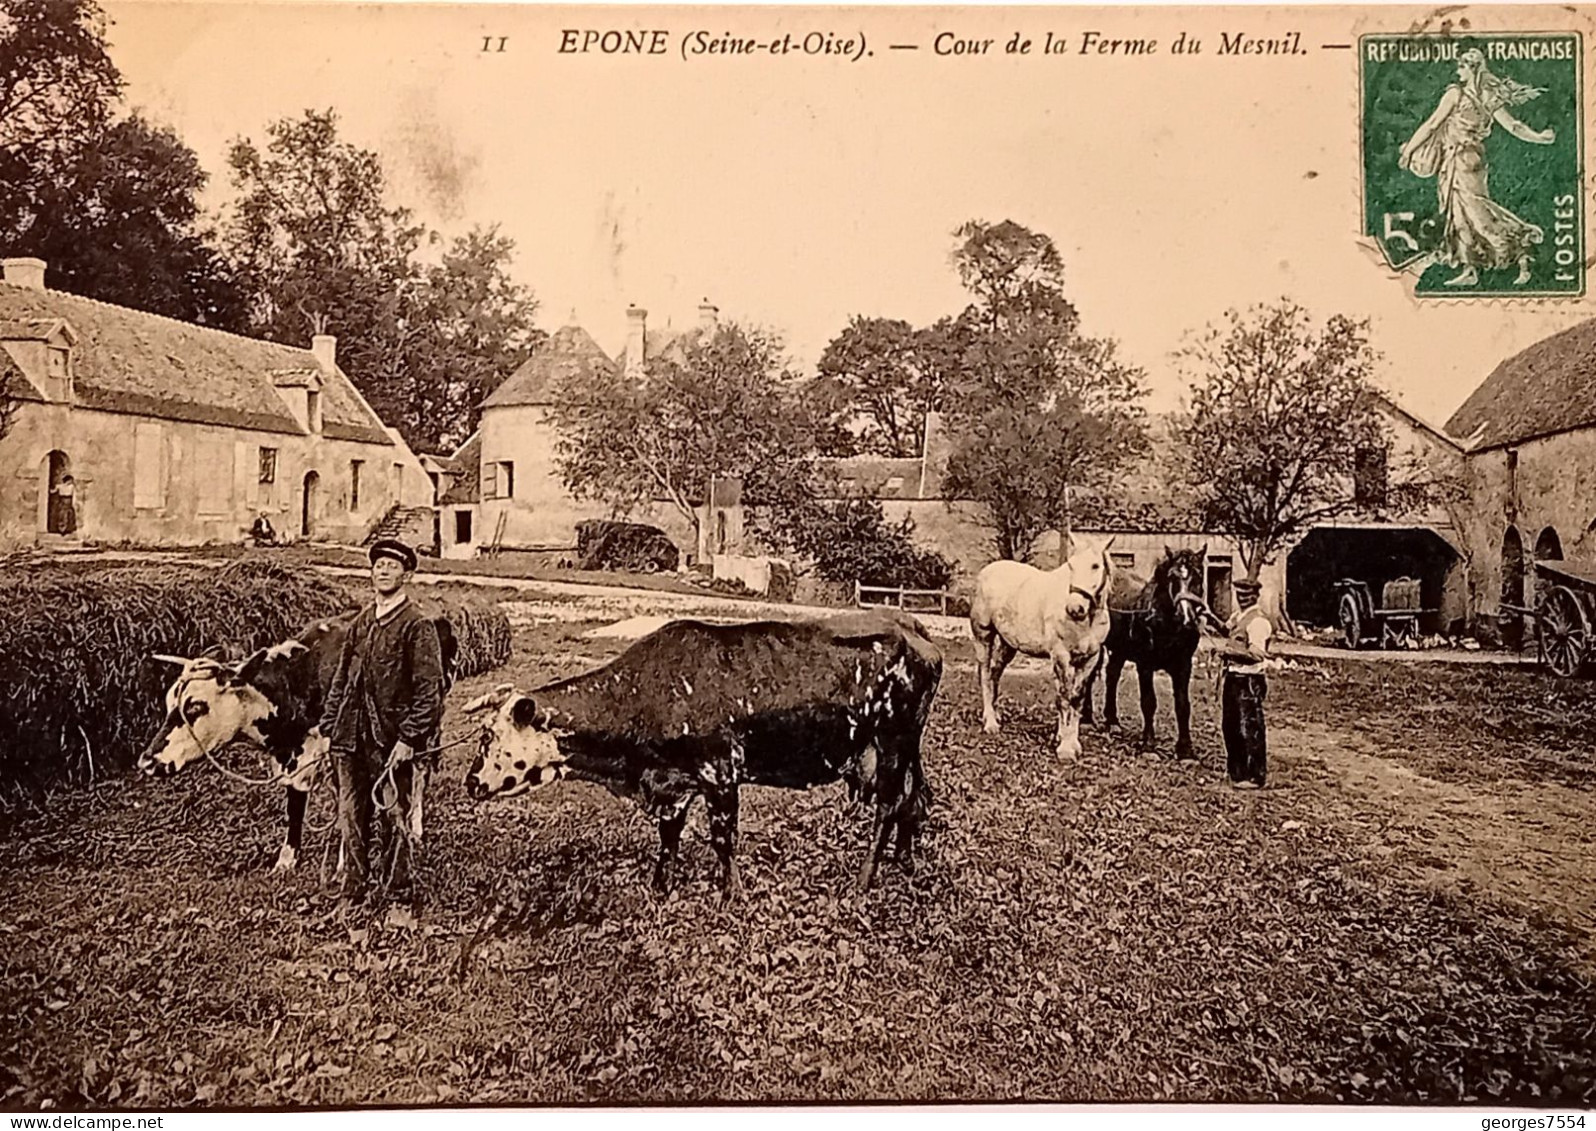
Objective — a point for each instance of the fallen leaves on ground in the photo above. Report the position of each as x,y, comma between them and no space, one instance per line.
1119,928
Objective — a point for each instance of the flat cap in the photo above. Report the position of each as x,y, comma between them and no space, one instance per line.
395,549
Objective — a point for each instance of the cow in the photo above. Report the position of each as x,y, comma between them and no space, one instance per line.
272,700
696,708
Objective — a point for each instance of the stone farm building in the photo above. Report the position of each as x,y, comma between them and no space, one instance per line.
518,500
523,503
1146,515
1529,434
457,486
175,434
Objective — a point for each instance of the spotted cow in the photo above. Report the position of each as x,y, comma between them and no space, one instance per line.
697,708
272,700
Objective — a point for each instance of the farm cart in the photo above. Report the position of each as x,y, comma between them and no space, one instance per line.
1563,615
1394,622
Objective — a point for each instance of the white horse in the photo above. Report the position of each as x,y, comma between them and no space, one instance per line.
1060,614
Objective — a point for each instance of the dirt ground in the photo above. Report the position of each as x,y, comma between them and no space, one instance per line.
1404,915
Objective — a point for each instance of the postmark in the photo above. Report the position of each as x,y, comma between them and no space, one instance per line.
1473,159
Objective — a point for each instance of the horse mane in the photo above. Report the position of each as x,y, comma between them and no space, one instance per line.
1153,594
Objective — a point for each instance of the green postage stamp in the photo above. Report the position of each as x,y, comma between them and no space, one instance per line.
1473,155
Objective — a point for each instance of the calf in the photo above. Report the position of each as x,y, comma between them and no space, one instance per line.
698,708
272,700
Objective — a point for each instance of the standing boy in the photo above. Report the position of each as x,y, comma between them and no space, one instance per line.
384,706
1244,655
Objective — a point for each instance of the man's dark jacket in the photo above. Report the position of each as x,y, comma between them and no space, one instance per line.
389,685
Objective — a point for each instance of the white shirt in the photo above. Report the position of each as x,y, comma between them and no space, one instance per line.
386,605
1252,628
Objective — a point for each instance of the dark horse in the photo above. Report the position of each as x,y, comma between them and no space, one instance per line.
1154,625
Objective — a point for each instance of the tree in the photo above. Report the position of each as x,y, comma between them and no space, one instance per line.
880,375
850,540
318,249
120,221
57,82
315,244
1040,409
110,204
724,406
1281,413
473,327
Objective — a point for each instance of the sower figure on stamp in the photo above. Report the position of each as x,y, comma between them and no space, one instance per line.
1450,146
1244,688
384,707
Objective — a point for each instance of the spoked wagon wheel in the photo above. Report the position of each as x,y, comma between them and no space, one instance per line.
1351,621
1564,631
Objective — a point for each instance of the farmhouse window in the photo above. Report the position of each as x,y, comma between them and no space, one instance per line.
505,480
313,410
58,363
354,484
268,465
462,527
1369,477
1123,560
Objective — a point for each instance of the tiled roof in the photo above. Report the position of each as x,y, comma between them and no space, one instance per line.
15,382
570,351
876,477
1549,387
663,342
128,361
1134,511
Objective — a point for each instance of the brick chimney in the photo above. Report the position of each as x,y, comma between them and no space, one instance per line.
324,347
24,273
708,315
636,339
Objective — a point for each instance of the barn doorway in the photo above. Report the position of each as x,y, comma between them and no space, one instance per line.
1548,548
61,502
307,509
1512,623
1220,587
1374,555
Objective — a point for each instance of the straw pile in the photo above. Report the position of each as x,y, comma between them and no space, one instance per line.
483,636
79,692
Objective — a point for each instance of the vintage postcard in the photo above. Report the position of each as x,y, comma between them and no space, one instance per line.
589,555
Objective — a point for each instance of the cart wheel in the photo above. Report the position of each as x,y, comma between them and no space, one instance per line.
1351,622
1564,634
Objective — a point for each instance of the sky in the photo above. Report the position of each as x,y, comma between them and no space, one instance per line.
796,192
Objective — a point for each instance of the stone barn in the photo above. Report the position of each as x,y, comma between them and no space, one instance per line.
130,427
1529,432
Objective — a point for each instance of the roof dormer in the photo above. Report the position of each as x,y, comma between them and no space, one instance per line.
45,350
301,388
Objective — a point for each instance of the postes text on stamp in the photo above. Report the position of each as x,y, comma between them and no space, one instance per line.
1473,154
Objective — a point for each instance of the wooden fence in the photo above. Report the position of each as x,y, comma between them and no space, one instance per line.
924,600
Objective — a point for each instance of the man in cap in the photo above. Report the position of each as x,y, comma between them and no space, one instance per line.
1243,657
384,707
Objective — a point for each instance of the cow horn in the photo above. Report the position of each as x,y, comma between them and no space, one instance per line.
178,660
493,700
